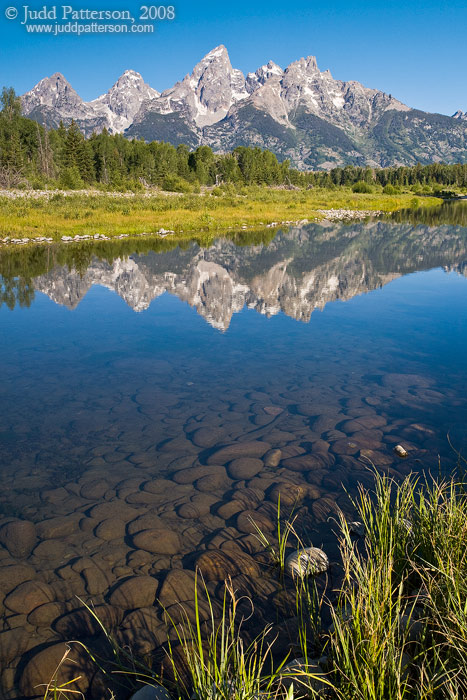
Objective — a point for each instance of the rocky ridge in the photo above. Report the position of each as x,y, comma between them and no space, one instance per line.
300,113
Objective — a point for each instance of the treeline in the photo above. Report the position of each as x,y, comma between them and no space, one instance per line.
31,156
435,174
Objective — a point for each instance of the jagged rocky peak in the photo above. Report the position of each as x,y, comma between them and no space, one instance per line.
206,95
55,92
303,83
115,110
130,83
323,122
124,99
264,73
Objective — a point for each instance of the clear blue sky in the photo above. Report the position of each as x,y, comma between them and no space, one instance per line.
414,49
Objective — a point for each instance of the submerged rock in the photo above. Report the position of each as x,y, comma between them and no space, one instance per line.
401,451
151,692
245,467
304,673
272,458
307,562
157,541
28,596
357,528
238,449
135,592
18,537
68,664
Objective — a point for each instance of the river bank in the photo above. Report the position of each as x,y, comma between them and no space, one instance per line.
388,623
46,216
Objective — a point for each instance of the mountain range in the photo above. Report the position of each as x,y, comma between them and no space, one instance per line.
299,271
300,113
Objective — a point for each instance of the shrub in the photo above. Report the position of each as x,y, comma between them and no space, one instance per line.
71,179
389,189
362,188
175,183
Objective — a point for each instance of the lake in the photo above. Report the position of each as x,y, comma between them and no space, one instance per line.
156,399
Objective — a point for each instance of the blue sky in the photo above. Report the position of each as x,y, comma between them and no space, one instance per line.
414,50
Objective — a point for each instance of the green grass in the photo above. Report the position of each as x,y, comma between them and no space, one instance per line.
284,530
404,631
221,665
187,215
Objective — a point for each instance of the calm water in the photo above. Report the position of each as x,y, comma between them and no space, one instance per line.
125,373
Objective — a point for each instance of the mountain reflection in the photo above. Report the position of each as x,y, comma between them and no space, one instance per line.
298,271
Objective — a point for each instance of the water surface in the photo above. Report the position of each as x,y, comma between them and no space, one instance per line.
122,369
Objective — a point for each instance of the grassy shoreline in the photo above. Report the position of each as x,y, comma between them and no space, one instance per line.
115,214
398,618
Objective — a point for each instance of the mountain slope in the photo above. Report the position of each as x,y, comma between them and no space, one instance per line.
53,100
300,113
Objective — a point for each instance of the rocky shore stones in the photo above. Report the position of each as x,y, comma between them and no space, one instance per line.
305,673
28,596
401,451
402,381
289,494
308,561
229,509
148,521
114,509
157,541
238,449
307,462
216,565
179,585
357,528
83,623
95,489
135,592
192,474
18,537
44,615
323,507
77,667
95,580
346,446
367,422
207,437
12,576
151,692
248,497
60,526
272,458
14,643
199,505
246,518
110,529
212,482
244,467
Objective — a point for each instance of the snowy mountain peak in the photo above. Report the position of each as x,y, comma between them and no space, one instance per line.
124,99
54,98
301,113
56,94
206,95
216,53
